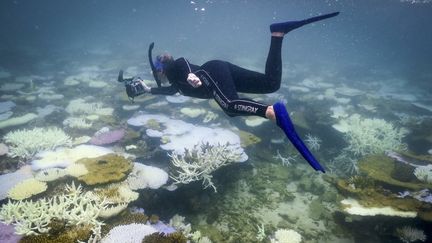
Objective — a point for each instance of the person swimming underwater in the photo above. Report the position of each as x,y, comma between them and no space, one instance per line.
221,80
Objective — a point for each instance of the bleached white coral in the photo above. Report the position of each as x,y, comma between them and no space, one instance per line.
179,223
198,163
34,217
424,173
128,233
409,234
26,189
77,122
286,236
144,176
313,142
26,143
81,107
371,136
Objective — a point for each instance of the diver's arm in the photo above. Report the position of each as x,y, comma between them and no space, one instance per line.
170,90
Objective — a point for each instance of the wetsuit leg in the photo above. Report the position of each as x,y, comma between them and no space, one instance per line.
247,81
216,76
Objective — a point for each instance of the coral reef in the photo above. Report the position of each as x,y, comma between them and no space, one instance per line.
105,169
286,236
7,234
162,238
408,234
26,143
106,136
34,217
63,234
143,176
177,135
26,189
64,157
198,163
424,173
371,136
9,180
131,233
18,120
80,107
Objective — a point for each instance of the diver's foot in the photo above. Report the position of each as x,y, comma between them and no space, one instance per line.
286,27
284,122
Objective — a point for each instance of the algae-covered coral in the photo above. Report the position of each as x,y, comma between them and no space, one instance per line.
105,169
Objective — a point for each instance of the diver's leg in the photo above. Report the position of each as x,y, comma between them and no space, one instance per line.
286,27
248,81
217,77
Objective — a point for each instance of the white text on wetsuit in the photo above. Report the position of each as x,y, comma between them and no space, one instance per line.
246,108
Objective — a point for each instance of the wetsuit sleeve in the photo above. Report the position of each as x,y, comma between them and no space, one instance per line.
170,90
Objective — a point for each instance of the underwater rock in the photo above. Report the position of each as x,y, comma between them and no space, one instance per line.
105,169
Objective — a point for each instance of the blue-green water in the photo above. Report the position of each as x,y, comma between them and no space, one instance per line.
369,68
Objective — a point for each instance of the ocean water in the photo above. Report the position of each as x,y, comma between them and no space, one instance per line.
357,86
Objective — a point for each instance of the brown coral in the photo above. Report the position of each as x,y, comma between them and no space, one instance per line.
175,237
105,169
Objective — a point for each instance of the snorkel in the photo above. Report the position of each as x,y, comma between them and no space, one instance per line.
155,67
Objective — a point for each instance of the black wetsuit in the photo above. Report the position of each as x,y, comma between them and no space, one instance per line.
225,80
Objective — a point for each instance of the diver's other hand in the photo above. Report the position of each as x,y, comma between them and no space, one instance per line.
193,80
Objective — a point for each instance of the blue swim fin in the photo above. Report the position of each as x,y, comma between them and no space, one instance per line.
284,122
286,27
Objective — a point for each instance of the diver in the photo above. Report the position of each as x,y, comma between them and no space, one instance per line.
221,80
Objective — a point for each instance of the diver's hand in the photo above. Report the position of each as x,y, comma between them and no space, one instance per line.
193,80
146,88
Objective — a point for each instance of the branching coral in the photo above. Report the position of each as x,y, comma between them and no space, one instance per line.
424,173
371,136
34,217
26,143
408,234
198,163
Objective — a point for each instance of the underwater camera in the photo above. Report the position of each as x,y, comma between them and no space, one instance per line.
133,85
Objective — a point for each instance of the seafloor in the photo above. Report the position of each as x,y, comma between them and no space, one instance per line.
275,188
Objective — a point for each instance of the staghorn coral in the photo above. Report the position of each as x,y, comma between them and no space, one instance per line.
26,143
34,217
371,136
198,163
